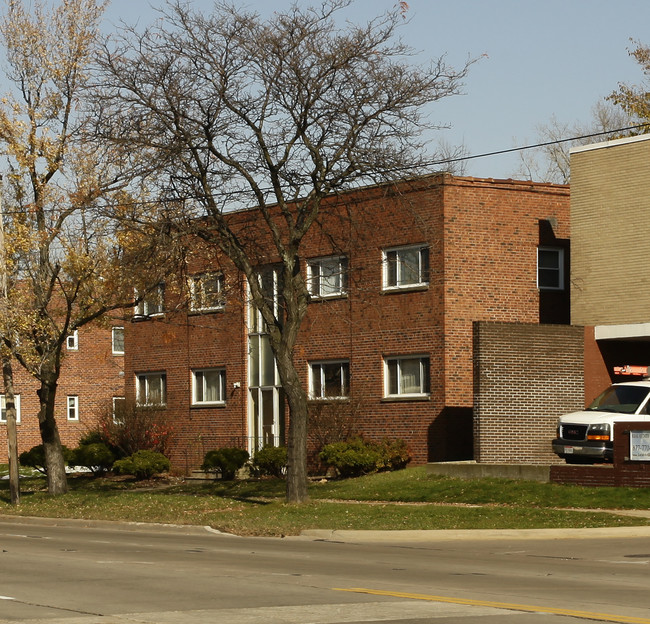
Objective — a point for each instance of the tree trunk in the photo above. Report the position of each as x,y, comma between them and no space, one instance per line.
57,482
296,491
12,435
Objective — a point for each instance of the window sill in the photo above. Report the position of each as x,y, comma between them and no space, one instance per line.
204,311
328,400
220,404
319,298
391,290
406,398
137,318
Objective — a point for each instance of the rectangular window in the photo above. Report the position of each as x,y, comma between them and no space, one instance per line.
151,389
119,406
3,408
208,386
406,376
117,341
206,292
405,267
327,277
329,380
72,341
152,304
550,268
73,408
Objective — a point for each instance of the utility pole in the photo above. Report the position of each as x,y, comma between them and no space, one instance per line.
7,372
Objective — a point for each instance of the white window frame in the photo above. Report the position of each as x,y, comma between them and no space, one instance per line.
398,364
3,409
153,303
317,379
72,341
203,300
72,407
117,399
319,283
200,389
393,262
142,387
558,269
113,349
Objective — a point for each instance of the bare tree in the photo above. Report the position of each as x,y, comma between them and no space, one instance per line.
64,264
551,161
273,115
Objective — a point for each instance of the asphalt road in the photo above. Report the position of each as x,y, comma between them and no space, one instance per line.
98,573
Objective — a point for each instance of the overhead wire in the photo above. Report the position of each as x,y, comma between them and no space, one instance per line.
419,166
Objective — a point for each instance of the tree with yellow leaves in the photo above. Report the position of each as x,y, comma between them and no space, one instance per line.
635,99
66,265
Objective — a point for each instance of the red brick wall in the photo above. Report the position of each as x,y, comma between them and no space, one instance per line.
492,231
525,376
93,373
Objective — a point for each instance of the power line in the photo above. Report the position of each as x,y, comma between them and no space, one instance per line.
538,145
433,163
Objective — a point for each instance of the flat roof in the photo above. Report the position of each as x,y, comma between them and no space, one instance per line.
612,143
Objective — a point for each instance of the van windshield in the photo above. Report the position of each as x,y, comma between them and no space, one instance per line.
620,399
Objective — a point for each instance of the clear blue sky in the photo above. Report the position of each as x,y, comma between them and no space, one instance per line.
544,58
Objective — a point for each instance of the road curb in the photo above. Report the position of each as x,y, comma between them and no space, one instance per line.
361,537
114,525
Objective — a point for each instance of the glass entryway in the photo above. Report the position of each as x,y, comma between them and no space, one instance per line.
265,400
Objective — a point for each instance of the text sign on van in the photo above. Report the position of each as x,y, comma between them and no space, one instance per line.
640,445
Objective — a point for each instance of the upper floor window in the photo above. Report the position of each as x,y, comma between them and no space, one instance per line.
327,277
3,408
206,292
208,386
406,376
151,389
72,341
117,341
404,267
329,380
550,268
152,303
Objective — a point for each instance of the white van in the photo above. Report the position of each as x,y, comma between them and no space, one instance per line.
588,436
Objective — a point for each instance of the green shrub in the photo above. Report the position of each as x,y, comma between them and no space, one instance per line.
142,464
225,461
96,456
352,458
357,457
271,461
394,454
35,458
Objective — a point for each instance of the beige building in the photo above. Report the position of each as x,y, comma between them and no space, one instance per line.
610,238
610,256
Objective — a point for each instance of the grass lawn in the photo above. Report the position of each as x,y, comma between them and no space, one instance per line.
406,499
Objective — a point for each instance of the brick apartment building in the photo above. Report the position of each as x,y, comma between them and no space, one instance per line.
399,277
92,378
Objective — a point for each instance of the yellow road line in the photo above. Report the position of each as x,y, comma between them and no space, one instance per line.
588,615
